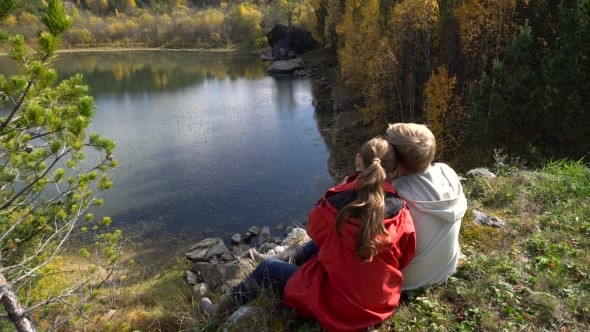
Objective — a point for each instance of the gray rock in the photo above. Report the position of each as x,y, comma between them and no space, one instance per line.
280,227
227,256
487,220
199,290
266,55
190,277
481,172
228,285
286,66
237,250
236,238
241,314
277,240
288,230
297,235
264,236
208,249
111,313
215,274
254,230
265,247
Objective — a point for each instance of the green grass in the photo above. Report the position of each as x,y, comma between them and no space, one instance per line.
532,274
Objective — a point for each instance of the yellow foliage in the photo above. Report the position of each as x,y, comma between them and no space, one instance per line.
358,34
10,21
421,15
335,10
485,26
304,15
131,25
95,20
79,36
116,29
439,94
27,18
147,19
53,282
131,4
211,18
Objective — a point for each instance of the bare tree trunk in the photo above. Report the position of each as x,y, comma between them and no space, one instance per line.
17,314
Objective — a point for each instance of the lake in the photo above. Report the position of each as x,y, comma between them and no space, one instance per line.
208,143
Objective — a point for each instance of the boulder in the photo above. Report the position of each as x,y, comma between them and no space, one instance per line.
285,66
228,285
266,55
481,172
190,277
487,220
241,317
288,41
264,236
266,247
254,230
279,227
236,238
277,240
199,290
288,230
215,273
208,249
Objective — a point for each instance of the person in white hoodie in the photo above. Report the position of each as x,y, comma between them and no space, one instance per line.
436,201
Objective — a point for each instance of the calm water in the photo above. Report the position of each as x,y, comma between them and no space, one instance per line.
208,143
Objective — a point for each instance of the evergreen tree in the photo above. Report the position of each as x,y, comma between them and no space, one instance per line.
504,111
45,184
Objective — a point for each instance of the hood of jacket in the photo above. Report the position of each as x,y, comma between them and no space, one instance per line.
436,192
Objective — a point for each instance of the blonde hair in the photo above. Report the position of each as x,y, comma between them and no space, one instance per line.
380,164
414,144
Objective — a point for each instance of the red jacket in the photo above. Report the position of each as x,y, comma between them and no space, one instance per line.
336,287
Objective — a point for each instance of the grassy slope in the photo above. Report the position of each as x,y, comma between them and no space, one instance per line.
532,274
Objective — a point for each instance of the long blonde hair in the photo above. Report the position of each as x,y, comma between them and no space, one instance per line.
380,164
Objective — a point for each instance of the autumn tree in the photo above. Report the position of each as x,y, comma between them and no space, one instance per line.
442,109
46,185
485,27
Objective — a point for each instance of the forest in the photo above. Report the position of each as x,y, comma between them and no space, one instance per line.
485,75
507,74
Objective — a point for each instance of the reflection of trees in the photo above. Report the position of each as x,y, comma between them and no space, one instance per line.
145,71
285,94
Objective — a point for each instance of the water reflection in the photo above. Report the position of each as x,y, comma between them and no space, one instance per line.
151,71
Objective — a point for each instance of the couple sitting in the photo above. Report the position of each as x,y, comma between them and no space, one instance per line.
370,240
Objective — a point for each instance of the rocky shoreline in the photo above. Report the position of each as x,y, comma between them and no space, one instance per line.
217,267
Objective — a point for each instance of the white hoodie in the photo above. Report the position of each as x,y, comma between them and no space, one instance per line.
437,204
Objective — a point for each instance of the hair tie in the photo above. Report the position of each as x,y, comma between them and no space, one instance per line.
377,160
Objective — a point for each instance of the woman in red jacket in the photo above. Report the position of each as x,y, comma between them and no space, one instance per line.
364,236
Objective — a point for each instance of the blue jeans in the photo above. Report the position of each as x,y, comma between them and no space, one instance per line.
271,272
